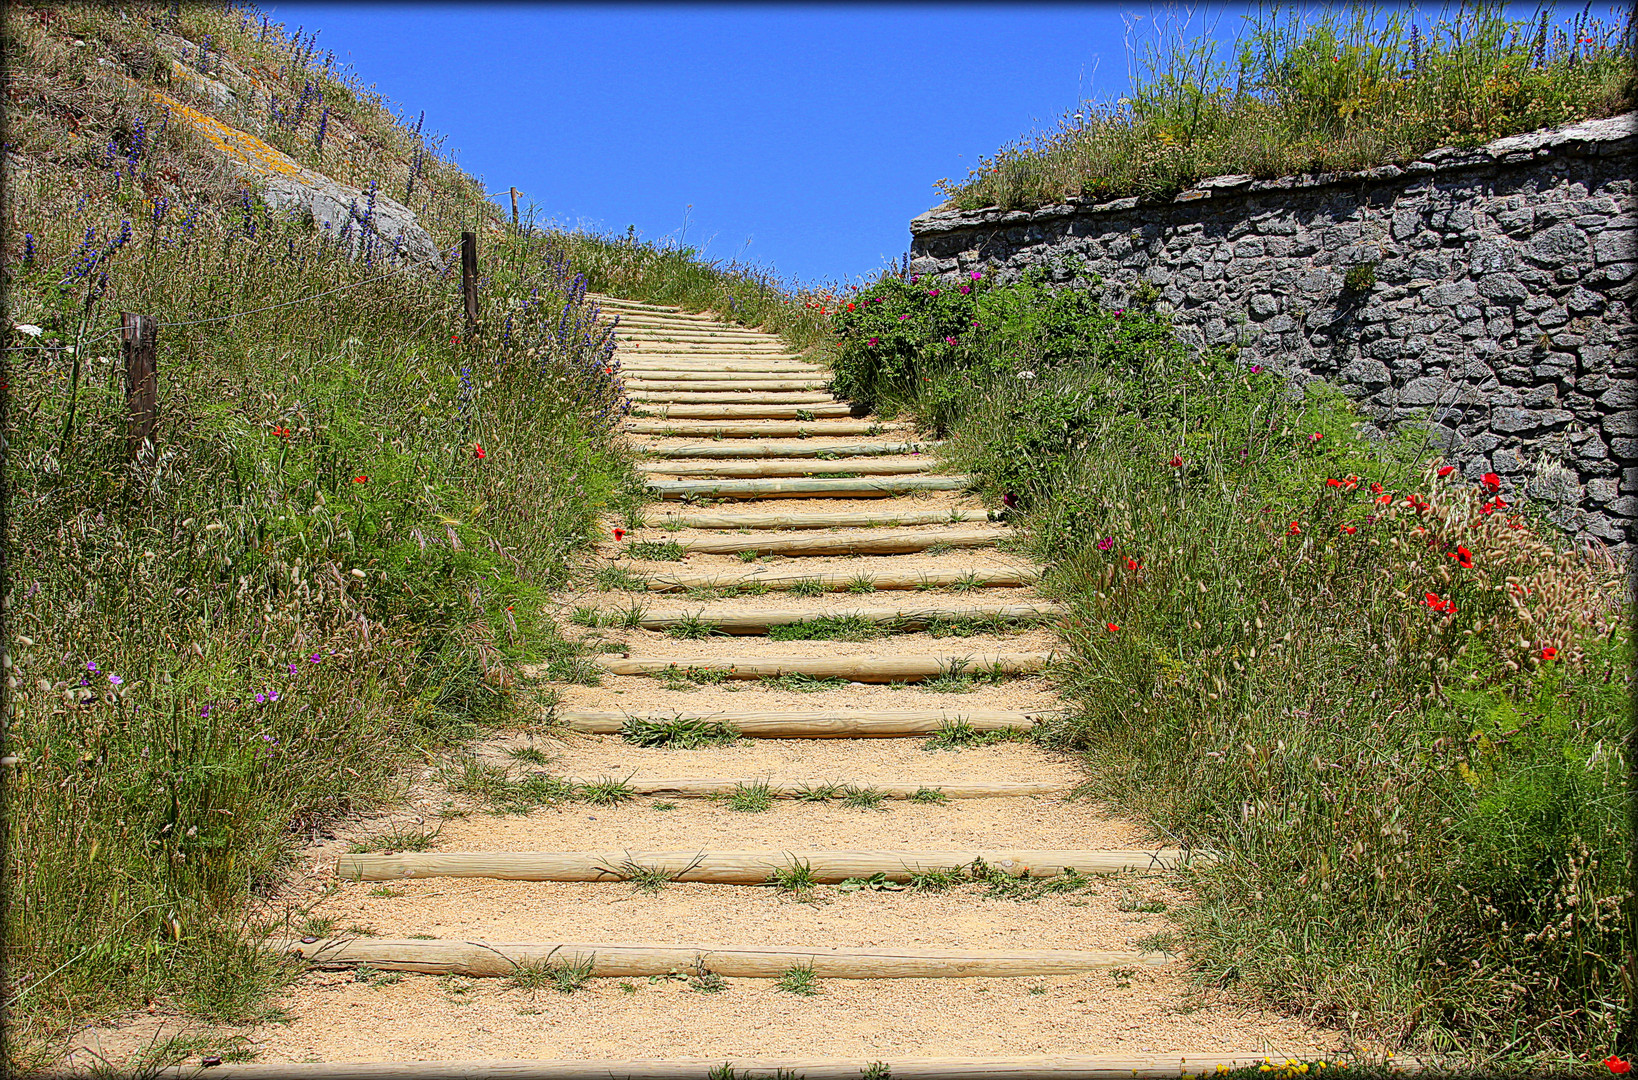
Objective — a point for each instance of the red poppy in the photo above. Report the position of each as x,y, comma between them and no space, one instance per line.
477,451
1112,627
1445,607
619,534
1350,529
1385,497
1446,470
1131,563
454,339
1616,1065
361,479
282,432
1176,462
1294,529
1315,437
1515,523
1462,556
1491,481
1550,653
850,307
1333,483
1376,489
1500,501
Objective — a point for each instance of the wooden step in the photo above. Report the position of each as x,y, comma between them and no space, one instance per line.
1102,1067
862,542
807,488
638,372
737,396
752,429
776,450
638,384
751,867
778,467
494,959
857,519
701,787
815,411
978,577
820,723
904,618
865,668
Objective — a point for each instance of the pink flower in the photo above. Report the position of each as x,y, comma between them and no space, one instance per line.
932,292
949,341
874,341
965,289
977,275
903,317
1106,543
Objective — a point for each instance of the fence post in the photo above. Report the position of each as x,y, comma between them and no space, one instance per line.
514,209
469,280
138,337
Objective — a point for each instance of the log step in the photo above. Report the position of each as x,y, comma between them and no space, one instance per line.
701,787
750,867
777,450
738,396
877,669
886,487
862,542
820,723
814,411
751,429
1103,1067
779,385
674,519
718,367
787,467
639,372
899,618
985,577
483,959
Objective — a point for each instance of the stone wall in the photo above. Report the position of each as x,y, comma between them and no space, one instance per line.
1490,291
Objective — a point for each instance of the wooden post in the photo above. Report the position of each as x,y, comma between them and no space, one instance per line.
138,335
514,209
469,280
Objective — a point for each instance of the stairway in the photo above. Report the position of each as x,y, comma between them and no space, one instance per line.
811,832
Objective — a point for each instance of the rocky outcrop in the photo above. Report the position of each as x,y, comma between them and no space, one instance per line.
1489,291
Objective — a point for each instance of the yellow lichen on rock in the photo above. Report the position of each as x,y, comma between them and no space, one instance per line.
241,146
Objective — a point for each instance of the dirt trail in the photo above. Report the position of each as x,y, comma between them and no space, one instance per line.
1125,1008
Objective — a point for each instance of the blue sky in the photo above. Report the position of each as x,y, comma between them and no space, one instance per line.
803,138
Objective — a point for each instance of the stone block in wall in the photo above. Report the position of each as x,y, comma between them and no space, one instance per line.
1616,245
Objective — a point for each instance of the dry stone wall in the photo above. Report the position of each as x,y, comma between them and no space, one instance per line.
1489,291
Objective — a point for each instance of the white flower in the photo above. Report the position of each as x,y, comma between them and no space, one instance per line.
30,330
1026,374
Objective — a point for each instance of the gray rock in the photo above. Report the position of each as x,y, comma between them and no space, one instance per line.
1512,421
1502,288
1558,245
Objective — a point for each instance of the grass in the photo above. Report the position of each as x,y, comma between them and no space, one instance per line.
605,791
862,583
655,550
687,679
821,792
929,795
620,579
678,732
529,755
828,628
397,837
564,976
807,587
691,627
645,879
798,980
753,798
803,684
862,798
1312,92
795,878
959,733
502,792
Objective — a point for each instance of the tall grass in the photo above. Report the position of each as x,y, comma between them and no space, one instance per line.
340,543
1315,90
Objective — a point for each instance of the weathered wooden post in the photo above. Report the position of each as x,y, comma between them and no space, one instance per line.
469,280
138,337
514,209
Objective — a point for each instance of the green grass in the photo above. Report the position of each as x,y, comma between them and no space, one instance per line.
529,755
828,628
929,795
397,837
959,733
566,977
655,550
605,791
620,579
753,798
798,980
691,627
862,583
1311,92
821,792
678,732
807,587
862,798
803,684
748,556
795,878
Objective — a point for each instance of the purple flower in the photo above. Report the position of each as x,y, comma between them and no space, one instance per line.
873,341
1009,500
914,278
292,667
903,317
313,659
91,665
261,699
932,292
1106,543
977,275
1255,368
272,695
965,289
949,341
115,679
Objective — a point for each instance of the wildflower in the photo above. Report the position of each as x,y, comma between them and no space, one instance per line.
977,275
1385,497
1106,543
1550,653
874,341
1256,369
261,699
1376,489
1333,483
1176,462
949,341
903,317
965,289
1026,374
313,659
29,329
619,534
914,278
932,292
1446,470
1293,529
1445,607
477,451
1112,627
361,479
1491,481
1009,500
292,666
850,307
1616,1065
91,665
454,339
1463,557
115,680
1350,483
282,432
1349,529
1131,563
1315,437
